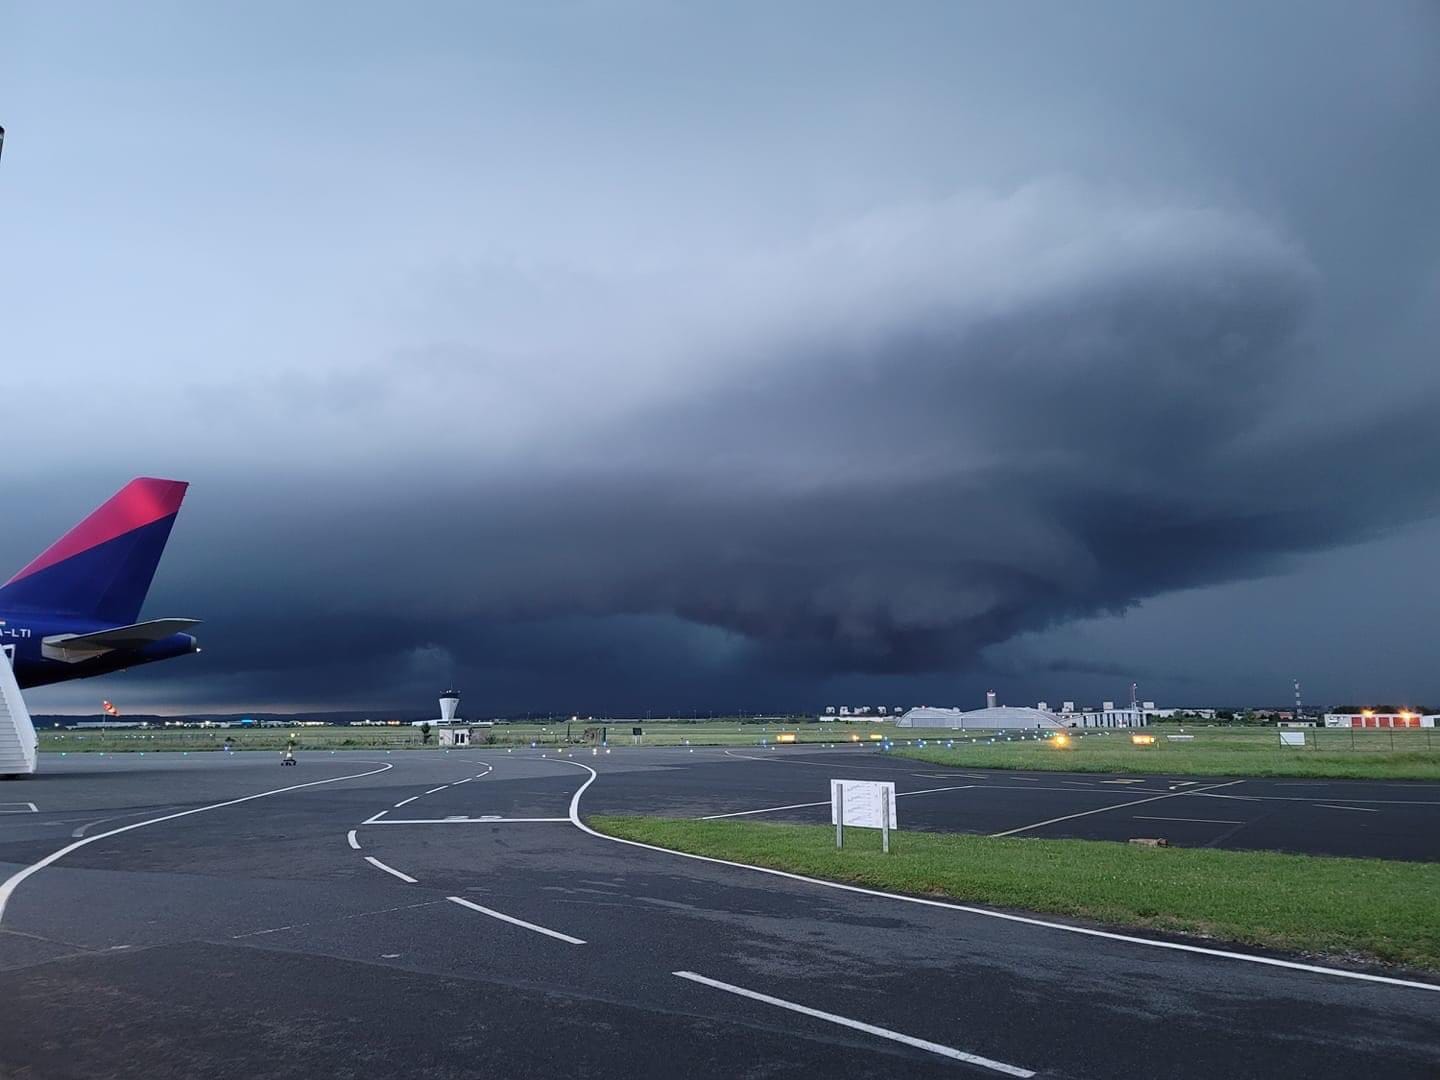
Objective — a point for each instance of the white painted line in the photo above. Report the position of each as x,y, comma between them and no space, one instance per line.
404,802
8,887
33,809
342,918
933,790
1122,781
1237,798
350,838
465,781
1074,789
514,921
767,809
81,830
1203,820
1027,779
952,775
258,933
1319,798
484,819
375,818
1004,916
858,1025
826,802
812,764
432,791
1107,809
1362,809
389,869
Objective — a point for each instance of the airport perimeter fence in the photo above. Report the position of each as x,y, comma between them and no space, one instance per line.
1361,740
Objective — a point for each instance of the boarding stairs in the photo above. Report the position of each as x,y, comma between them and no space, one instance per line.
18,743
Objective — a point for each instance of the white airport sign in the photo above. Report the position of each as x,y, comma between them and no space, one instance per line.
864,802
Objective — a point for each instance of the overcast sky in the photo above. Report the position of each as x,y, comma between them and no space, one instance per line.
629,355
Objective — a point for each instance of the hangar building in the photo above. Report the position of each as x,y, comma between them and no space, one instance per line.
993,717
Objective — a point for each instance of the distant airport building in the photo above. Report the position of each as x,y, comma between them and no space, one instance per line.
1107,716
856,712
449,703
1369,718
997,717
994,717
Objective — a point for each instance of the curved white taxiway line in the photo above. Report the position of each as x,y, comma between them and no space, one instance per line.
1174,946
11,883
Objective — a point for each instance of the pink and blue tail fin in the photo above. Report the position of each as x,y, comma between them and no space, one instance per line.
102,568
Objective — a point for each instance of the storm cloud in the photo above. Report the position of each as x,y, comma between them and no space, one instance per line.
715,453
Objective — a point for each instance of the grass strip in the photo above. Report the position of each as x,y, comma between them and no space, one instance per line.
1188,761
1346,909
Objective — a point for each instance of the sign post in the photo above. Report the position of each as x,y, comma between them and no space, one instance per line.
869,804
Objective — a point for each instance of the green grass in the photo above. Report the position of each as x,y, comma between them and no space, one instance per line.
1355,909
1407,755
335,737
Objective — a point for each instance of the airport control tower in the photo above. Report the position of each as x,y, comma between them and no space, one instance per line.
449,702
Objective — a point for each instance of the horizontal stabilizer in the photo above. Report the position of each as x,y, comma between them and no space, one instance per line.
72,648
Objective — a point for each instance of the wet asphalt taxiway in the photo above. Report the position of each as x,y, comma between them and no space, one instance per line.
448,915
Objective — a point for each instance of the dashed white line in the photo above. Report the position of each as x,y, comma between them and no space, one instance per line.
389,870
859,1025
513,920
1361,809
404,802
1107,809
8,887
1004,916
432,791
350,837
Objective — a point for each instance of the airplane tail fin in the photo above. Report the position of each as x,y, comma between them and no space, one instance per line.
102,568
